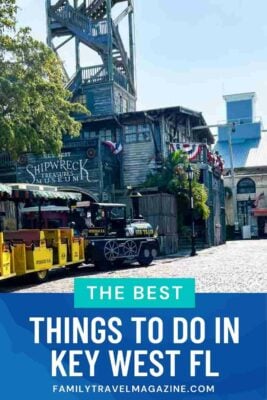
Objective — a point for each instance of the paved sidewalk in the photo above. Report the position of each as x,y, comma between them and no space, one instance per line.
239,266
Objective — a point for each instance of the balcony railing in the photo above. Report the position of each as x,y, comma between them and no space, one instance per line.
95,74
120,78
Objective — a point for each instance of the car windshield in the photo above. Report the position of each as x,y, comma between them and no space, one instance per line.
115,213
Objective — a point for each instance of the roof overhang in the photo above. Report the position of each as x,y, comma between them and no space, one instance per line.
239,96
44,209
25,191
125,118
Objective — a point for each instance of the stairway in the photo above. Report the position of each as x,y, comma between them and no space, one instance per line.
91,33
120,57
96,9
75,82
91,26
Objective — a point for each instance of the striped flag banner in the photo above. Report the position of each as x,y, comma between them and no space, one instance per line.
192,149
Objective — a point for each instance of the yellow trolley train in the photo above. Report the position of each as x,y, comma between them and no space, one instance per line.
38,251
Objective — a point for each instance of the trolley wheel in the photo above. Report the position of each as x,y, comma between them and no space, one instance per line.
130,249
111,250
145,257
41,276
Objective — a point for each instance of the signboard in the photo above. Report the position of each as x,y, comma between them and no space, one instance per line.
77,167
133,339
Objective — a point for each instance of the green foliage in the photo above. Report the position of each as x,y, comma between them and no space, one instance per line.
34,105
200,199
8,11
173,179
172,173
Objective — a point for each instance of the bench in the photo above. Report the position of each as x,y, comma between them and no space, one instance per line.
27,236
74,244
58,243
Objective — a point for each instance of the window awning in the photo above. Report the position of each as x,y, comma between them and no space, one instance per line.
43,194
27,191
5,189
259,212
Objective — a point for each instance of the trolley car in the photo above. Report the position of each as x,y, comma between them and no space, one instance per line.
36,251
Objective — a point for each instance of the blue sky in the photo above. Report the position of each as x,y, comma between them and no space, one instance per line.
190,52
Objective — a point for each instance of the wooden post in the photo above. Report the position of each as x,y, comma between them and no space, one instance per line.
109,22
40,214
17,213
48,22
100,167
131,41
77,44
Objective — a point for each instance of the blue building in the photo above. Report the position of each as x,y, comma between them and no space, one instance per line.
243,136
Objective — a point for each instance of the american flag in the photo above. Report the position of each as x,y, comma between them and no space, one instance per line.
115,148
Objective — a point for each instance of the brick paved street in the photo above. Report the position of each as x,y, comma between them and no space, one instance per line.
239,266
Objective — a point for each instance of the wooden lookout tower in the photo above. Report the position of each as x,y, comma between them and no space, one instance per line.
109,87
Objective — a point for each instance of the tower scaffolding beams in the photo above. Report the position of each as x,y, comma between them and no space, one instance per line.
90,23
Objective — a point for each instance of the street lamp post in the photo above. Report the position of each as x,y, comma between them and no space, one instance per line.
190,175
230,132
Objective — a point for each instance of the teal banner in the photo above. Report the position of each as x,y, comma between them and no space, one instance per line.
134,293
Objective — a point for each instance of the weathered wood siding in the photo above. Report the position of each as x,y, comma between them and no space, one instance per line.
168,244
123,101
160,210
99,99
137,160
159,204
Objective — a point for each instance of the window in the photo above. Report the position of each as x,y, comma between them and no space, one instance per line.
137,133
89,135
81,99
246,185
106,134
130,128
115,213
103,134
